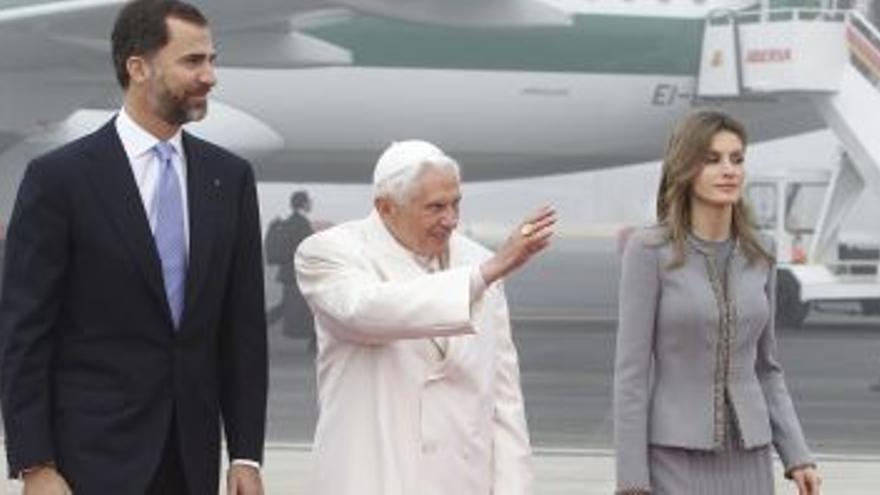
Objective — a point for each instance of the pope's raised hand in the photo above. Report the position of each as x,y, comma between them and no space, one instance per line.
527,239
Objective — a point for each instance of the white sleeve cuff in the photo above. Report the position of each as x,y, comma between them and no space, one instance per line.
246,462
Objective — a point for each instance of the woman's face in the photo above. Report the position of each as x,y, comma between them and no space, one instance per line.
721,176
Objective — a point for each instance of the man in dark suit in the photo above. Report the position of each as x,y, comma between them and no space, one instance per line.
132,309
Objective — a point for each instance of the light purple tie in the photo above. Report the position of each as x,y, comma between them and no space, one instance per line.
170,235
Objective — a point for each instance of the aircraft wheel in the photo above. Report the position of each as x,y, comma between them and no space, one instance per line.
790,310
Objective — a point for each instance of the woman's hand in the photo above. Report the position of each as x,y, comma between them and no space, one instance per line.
807,480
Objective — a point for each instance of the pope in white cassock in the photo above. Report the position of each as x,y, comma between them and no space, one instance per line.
418,380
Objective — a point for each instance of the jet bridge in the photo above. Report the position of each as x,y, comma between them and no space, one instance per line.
830,55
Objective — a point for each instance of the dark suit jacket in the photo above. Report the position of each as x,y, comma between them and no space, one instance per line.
92,370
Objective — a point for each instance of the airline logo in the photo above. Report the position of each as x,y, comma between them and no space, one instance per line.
768,56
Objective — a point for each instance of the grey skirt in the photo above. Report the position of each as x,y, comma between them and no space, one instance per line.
732,471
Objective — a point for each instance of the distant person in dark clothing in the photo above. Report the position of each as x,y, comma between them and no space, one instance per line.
282,240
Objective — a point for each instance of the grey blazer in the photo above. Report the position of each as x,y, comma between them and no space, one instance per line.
665,386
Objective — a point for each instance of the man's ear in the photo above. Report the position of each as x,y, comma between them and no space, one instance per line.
138,69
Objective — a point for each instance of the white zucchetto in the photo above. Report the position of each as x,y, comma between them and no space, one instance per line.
401,155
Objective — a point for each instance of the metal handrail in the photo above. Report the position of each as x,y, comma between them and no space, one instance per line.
780,14
864,44
868,30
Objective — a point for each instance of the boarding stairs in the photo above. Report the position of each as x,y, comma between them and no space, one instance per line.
830,56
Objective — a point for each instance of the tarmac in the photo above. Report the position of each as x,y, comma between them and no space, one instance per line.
566,472
566,366
587,472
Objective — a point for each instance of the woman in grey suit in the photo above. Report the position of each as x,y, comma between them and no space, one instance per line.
699,395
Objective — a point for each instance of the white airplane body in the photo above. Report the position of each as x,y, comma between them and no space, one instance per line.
512,88
335,121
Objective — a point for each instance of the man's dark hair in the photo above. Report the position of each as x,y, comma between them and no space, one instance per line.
141,30
299,199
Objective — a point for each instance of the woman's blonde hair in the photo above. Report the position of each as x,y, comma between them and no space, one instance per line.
690,142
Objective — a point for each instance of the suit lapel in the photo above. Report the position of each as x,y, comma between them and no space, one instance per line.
111,176
202,187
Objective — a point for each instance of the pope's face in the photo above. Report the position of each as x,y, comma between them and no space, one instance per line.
426,219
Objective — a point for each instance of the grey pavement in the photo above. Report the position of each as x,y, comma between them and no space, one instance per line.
566,360
563,472
567,374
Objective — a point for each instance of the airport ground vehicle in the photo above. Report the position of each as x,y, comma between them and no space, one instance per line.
814,265
830,57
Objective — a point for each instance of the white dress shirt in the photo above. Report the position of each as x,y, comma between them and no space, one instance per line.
139,146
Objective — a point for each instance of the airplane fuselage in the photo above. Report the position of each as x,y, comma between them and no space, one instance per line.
507,102
602,92
334,122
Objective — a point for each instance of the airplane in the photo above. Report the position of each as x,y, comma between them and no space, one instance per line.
315,89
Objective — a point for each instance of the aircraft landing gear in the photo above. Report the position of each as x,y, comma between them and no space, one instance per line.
790,310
